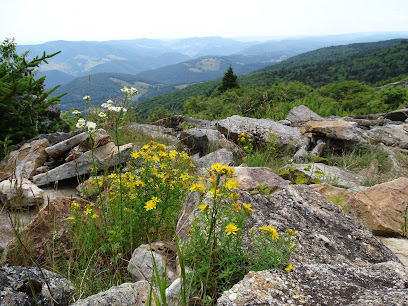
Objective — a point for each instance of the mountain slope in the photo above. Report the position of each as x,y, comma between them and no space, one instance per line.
370,62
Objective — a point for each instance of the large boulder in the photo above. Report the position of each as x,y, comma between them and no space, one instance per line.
325,174
336,130
326,232
381,207
390,135
221,156
250,178
17,193
162,254
23,162
157,133
302,114
321,284
201,140
260,130
398,115
175,122
127,294
26,286
104,157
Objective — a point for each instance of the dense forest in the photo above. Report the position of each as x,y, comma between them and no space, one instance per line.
305,79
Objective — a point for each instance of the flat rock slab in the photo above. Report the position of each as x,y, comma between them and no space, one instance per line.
391,135
331,174
302,114
398,115
381,207
18,193
250,178
260,130
105,156
321,284
399,246
341,130
326,232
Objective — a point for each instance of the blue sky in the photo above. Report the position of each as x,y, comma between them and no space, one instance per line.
46,20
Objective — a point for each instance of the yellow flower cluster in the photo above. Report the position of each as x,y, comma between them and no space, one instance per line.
270,230
244,138
231,229
151,204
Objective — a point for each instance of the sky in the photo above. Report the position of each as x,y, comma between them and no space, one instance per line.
35,21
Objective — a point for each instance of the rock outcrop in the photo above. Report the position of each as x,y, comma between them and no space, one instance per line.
26,286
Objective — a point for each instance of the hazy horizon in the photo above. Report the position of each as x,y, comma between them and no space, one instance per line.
78,20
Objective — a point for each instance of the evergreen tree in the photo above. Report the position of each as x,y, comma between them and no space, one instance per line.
228,81
23,101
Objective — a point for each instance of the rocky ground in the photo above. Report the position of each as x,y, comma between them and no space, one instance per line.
356,256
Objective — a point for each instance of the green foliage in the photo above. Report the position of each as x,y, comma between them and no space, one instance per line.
23,100
215,249
229,81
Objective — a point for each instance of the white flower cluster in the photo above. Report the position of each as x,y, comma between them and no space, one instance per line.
82,123
109,106
129,91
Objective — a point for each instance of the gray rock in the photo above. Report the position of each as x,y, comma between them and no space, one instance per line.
15,287
175,121
156,132
141,264
302,114
201,140
20,193
260,130
127,294
336,130
250,178
318,149
173,293
63,147
399,246
222,156
308,212
22,163
390,135
321,284
398,115
331,174
105,157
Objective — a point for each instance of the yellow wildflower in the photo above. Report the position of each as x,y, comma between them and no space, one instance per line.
237,206
112,175
231,184
87,211
203,207
231,228
289,267
290,232
197,187
75,205
94,216
248,208
270,230
71,218
151,204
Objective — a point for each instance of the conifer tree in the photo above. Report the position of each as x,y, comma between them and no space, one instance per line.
23,100
228,81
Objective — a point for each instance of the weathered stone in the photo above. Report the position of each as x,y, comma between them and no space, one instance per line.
23,162
300,155
326,232
398,115
340,130
395,165
173,293
260,130
380,208
222,156
330,174
59,149
17,283
366,122
391,135
201,140
127,294
47,229
175,121
331,192
318,149
20,193
250,178
302,114
164,254
89,188
399,246
156,132
321,284
105,157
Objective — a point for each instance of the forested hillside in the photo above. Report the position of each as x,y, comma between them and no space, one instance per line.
366,63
